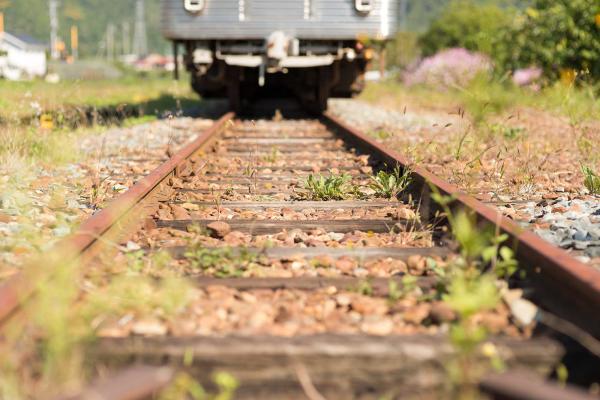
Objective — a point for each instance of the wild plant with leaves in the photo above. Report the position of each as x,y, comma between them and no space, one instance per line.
391,184
591,180
332,187
469,287
185,386
222,262
481,250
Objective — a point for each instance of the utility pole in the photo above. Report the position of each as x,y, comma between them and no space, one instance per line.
126,32
54,52
140,40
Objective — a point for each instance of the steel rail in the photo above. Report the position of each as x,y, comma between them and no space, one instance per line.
21,286
570,288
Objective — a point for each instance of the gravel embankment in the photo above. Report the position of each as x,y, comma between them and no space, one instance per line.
550,200
39,204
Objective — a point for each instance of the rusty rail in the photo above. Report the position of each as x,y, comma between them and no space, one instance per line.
571,289
23,285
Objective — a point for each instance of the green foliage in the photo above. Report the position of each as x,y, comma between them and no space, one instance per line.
381,134
390,184
403,50
469,296
422,12
137,262
560,36
222,262
138,295
227,385
273,156
485,96
479,247
332,187
397,292
28,143
186,387
63,333
364,287
508,132
562,373
44,352
467,24
471,289
591,180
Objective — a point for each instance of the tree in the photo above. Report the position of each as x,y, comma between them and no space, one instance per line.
469,25
73,11
560,36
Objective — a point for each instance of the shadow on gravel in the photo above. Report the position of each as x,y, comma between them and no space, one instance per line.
161,107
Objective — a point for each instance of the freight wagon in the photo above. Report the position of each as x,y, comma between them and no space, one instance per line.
313,49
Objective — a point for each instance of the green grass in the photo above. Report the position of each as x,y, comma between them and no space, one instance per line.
221,262
21,100
485,97
40,121
332,187
391,184
591,179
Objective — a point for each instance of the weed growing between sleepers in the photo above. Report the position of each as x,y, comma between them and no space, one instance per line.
468,286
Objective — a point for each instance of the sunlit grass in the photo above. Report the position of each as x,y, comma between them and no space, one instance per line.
591,179
40,121
45,352
24,99
485,97
499,139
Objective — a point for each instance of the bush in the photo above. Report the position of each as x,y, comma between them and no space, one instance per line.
468,25
449,68
560,36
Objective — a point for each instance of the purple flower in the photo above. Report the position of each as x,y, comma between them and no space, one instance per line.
448,68
526,76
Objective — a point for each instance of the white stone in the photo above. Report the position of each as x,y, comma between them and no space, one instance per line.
523,311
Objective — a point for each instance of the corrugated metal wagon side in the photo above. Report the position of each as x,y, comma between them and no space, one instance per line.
313,49
257,19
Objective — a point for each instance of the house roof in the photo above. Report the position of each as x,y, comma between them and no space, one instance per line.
22,42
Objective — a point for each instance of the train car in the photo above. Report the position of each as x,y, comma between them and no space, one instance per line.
313,49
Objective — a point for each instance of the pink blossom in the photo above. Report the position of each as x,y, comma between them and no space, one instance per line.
526,76
448,68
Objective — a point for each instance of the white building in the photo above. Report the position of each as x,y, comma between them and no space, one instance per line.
21,57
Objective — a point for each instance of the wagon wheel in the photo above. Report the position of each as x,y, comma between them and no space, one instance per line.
318,104
234,94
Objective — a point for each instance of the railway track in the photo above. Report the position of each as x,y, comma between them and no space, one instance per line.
301,297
